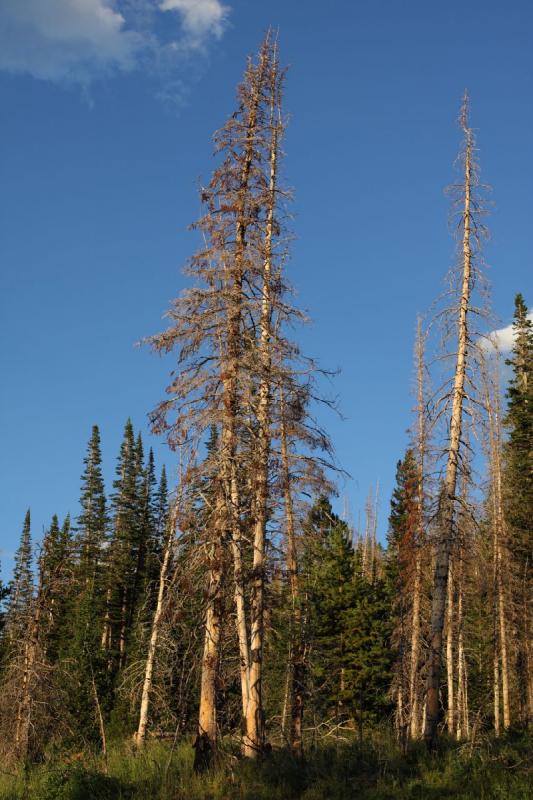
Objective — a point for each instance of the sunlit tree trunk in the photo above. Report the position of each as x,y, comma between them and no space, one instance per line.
448,495
450,716
492,406
296,666
140,736
254,734
421,436
206,740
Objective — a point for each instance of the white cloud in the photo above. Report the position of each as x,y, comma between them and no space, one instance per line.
503,338
200,18
79,40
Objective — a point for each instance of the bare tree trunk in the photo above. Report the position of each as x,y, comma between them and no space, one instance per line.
106,630
496,684
23,721
297,656
492,404
140,735
450,718
421,450
99,714
206,741
253,742
448,498
462,711
123,627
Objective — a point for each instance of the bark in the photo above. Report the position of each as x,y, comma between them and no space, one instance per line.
296,671
23,721
206,740
492,404
140,735
417,588
447,500
230,380
450,718
462,702
106,630
253,740
496,683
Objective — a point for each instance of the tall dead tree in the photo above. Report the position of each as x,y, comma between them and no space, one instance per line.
234,354
471,231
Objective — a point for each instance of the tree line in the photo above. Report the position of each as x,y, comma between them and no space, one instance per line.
237,603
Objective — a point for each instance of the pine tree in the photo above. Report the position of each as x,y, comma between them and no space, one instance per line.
93,520
56,584
519,498
124,553
83,655
161,508
402,554
21,587
348,625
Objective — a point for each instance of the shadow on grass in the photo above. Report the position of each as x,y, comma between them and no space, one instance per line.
499,770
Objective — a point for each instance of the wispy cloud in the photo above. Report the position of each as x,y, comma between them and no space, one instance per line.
80,40
503,338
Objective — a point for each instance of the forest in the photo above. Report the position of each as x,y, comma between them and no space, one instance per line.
234,634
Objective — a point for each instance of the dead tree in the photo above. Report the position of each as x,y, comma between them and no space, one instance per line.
471,231
164,571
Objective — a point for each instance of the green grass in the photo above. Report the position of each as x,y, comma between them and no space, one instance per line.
495,770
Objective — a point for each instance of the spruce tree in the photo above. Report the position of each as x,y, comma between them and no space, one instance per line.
83,654
161,507
93,520
56,585
329,568
519,497
21,587
400,570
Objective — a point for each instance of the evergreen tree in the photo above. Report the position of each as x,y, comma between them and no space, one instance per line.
83,655
93,520
161,507
368,656
123,549
349,624
519,497
56,586
400,568
21,587
329,569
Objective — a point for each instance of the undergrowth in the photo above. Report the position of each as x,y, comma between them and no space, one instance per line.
491,769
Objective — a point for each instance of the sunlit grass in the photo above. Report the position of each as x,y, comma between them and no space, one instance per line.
495,770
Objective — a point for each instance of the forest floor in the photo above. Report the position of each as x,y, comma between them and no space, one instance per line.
501,769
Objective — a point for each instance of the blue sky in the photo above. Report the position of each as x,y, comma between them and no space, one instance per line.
107,115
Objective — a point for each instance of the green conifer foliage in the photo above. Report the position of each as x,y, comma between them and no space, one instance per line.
161,508
348,625
519,497
399,575
21,587
93,520
83,655
56,587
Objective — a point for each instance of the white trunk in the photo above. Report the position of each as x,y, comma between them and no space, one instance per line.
448,499
450,719
253,739
140,736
